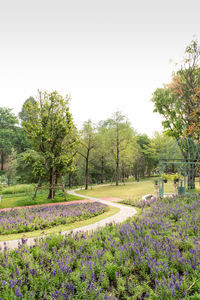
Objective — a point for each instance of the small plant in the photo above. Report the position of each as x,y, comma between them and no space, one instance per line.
155,182
165,177
176,177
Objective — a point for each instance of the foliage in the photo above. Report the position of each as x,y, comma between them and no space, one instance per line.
165,176
23,115
156,256
186,86
179,101
172,177
34,218
175,177
147,155
28,161
11,167
3,180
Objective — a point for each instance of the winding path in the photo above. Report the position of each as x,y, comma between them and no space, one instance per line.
124,213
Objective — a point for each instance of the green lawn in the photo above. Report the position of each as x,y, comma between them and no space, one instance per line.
132,191
24,199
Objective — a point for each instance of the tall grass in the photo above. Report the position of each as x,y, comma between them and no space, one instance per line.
20,188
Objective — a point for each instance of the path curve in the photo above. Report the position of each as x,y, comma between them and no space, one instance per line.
124,213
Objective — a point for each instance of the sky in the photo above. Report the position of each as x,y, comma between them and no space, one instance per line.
108,55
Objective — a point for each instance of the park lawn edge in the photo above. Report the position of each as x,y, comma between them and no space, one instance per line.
61,228
31,202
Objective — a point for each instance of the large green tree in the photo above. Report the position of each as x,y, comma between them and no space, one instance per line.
176,100
49,124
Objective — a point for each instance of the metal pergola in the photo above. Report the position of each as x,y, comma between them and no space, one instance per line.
185,168
186,163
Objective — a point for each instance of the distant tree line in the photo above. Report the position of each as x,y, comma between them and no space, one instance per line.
42,145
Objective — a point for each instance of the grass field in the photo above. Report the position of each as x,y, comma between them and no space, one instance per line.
133,190
130,191
24,199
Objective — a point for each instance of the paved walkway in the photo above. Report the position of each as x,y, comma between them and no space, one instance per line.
124,213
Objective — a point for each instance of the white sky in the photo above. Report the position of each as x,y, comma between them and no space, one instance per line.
107,54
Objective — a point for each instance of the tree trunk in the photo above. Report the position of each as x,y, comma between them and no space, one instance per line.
102,170
86,170
123,176
117,160
55,183
2,160
51,185
191,177
70,180
36,189
63,187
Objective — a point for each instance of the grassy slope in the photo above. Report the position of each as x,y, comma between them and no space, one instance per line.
23,199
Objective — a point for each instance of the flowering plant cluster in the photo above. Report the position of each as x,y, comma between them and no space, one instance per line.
153,256
140,203
30,219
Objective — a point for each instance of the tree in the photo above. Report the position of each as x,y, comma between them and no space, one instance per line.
49,123
128,158
101,161
186,87
8,122
179,103
120,136
144,142
87,144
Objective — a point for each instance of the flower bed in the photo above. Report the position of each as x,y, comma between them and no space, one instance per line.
155,256
30,219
